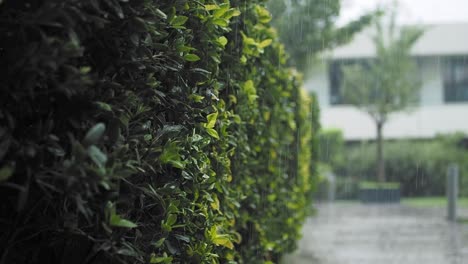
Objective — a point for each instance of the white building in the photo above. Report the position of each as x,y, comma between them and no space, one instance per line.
442,57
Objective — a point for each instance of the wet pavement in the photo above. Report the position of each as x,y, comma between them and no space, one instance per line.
353,233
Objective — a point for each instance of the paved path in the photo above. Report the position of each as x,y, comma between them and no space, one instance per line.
381,234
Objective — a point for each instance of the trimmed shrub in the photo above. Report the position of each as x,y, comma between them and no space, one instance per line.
149,132
315,138
419,166
331,147
347,188
329,150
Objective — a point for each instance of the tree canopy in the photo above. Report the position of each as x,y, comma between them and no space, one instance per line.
308,27
387,83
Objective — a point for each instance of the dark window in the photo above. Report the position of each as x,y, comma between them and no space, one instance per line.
336,79
335,74
455,76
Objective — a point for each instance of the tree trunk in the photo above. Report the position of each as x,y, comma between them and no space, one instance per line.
380,158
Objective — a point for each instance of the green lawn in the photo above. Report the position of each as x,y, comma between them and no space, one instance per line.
432,201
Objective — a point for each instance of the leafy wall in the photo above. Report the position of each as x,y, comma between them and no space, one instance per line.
149,132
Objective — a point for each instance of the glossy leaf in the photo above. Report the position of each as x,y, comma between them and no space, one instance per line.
211,118
222,41
191,57
178,21
96,155
94,134
212,132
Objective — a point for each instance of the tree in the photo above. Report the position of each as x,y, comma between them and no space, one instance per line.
307,27
387,83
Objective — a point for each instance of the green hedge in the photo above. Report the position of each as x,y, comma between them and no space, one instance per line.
149,132
419,166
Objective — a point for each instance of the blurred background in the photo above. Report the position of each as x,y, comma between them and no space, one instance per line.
420,139
375,139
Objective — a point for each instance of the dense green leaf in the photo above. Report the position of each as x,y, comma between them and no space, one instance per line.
191,57
159,242
164,259
97,156
212,133
94,134
179,21
211,7
160,13
6,172
104,106
222,41
116,220
221,22
211,118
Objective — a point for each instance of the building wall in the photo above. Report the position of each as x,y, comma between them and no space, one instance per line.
431,117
